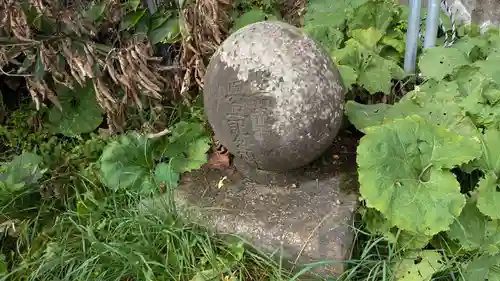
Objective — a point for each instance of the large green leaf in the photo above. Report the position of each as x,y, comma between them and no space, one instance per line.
438,62
186,148
480,97
80,111
365,115
168,32
128,164
373,71
418,266
24,169
483,268
371,14
475,231
489,185
131,19
368,37
375,223
404,172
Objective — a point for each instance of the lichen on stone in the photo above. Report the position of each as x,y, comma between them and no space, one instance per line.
289,60
273,96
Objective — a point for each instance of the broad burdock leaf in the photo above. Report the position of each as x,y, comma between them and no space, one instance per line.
194,156
438,62
483,268
404,172
475,231
489,195
128,164
480,94
186,148
324,21
165,175
439,108
326,12
372,14
348,74
418,266
359,61
375,223
433,91
376,78
368,37
374,74
330,38
490,159
365,115
393,39
489,68
489,185
80,111
22,170
467,44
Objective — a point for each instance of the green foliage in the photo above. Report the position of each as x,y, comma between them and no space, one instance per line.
413,153
185,148
125,239
127,163
418,266
363,37
72,197
164,26
80,113
91,169
252,16
251,11
22,172
138,164
421,195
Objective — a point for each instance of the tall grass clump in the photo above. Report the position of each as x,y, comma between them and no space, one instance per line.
122,238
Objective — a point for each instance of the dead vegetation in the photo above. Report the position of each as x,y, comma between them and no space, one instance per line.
293,11
49,43
61,42
207,24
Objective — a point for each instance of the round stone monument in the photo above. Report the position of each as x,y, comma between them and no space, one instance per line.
273,97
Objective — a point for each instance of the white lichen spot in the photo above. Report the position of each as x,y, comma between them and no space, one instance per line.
302,89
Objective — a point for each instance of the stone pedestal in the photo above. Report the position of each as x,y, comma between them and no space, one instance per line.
304,224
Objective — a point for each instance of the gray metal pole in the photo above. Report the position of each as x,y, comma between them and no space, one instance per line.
151,4
412,36
431,23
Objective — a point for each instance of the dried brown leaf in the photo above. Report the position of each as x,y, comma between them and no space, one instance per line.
102,88
218,160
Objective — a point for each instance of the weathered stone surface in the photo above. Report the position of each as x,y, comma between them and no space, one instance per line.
485,13
309,224
273,97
